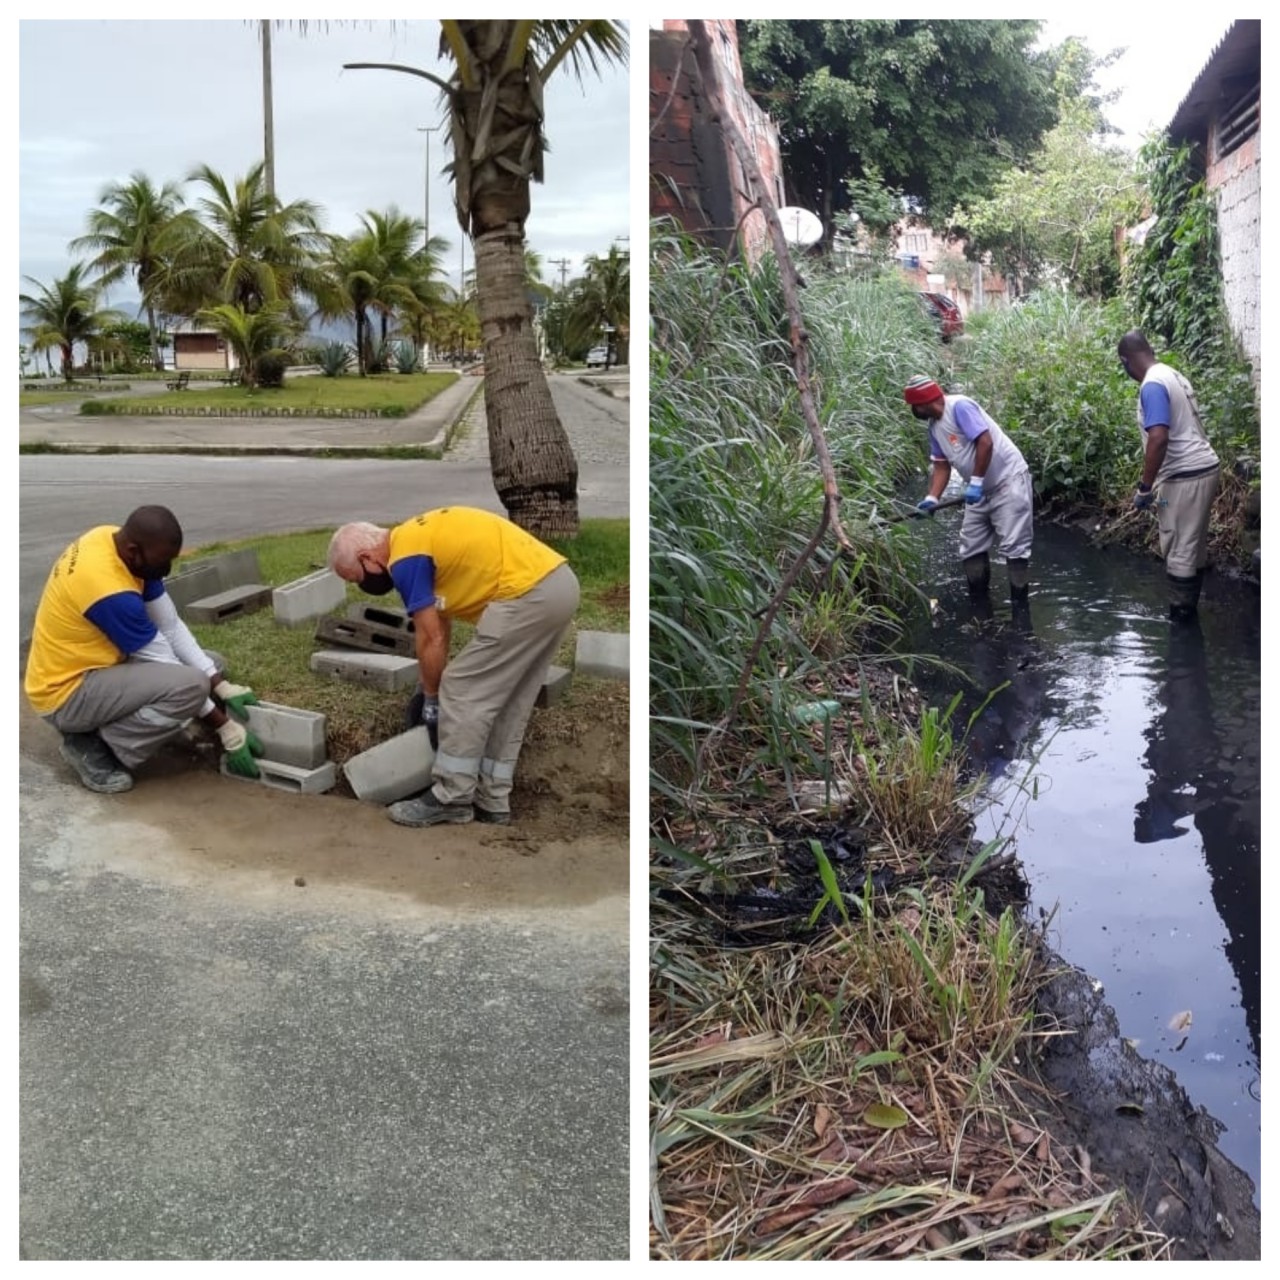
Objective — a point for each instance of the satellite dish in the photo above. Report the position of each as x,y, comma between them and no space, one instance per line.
800,226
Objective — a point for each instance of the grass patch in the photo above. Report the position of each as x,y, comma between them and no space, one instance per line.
389,395
275,660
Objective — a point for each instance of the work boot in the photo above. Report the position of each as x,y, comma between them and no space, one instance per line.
1019,579
1184,595
495,817
95,763
977,572
426,811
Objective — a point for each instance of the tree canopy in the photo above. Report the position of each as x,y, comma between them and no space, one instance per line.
937,108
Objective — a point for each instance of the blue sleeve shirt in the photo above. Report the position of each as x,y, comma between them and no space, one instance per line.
1154,402
415,579
122,617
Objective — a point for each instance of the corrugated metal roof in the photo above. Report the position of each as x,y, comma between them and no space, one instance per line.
1235,60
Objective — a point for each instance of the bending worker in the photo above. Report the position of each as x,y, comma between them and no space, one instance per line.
460,562
1179,460
114,669
997,492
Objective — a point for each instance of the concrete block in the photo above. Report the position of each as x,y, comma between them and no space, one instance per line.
554,687
236,568
226,605
377,670
605,654
299,603
195,583
382,616
288,777
289,735
372,637
394,769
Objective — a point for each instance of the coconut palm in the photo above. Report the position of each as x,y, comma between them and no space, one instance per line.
393,235
601,301
494,98
127,234
358,281
64,313
240,245
250,334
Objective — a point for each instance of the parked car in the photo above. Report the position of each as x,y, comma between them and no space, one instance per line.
597,357
945,314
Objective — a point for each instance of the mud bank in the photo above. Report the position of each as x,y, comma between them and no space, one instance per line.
1138,1127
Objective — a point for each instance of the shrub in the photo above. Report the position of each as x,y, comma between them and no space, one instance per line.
406,357
269,368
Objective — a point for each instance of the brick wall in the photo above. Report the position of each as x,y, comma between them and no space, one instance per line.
694,177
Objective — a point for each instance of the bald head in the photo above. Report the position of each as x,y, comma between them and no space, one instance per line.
355,543
148,541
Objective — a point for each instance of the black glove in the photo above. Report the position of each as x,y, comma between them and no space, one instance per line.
431,718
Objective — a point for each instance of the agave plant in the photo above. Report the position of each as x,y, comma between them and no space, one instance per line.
334,359
406,357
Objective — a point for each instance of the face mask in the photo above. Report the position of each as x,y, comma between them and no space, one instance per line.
376,584
918,411
154,573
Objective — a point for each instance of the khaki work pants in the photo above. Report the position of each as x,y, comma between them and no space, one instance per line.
488,691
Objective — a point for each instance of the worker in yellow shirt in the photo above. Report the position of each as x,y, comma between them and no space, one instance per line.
114,669
461,562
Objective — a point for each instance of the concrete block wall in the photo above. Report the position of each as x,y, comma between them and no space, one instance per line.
1239,193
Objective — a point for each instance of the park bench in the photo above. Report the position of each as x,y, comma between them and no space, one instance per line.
180,382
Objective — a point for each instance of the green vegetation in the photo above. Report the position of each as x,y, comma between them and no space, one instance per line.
386,396
275,660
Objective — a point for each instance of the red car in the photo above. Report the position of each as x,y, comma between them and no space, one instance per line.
945,314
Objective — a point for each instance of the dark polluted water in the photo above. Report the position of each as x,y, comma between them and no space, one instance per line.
1124,758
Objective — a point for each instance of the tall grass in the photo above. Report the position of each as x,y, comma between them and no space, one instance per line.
735,490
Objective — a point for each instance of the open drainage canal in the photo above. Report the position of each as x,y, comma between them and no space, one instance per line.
1124,761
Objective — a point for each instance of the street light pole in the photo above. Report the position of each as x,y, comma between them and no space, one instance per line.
426,194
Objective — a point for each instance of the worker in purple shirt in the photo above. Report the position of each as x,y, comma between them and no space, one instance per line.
1180,471
997,492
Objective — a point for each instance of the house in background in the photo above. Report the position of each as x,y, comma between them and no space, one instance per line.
694,176
936,265
1222,114
200,349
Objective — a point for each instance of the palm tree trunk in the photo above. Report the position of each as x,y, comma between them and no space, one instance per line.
534,470
66,360
155,340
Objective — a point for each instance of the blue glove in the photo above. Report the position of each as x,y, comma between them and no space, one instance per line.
1143,498
926,505
974,492
431,718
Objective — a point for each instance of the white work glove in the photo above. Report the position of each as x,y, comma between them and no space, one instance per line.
235,697
240,746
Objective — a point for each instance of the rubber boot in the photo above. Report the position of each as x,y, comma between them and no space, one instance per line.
1019,579
1184,595
977,572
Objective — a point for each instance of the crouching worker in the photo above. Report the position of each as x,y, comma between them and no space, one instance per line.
998,496
460,562
114,669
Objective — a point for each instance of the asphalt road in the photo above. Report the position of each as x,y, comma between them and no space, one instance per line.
424,1056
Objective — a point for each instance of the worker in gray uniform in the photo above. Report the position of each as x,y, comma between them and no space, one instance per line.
1180,470
997,495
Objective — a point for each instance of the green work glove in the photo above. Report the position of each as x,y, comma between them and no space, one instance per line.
235,697
240,746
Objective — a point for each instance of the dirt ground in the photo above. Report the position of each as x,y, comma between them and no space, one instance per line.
567,846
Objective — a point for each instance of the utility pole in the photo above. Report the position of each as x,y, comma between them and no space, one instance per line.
268,127
563,264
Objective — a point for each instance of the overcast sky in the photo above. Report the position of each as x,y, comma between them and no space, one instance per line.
100,100
1161,61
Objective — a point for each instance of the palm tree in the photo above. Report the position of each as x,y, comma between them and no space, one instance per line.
250,334
601,300
64,313
128,235
241,245
359,280
494,98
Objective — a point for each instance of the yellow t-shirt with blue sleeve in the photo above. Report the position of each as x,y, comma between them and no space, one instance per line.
92,614
462,559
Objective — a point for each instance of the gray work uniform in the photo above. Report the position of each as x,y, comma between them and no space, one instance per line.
1003,519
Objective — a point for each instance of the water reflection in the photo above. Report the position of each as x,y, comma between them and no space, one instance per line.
1126,752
